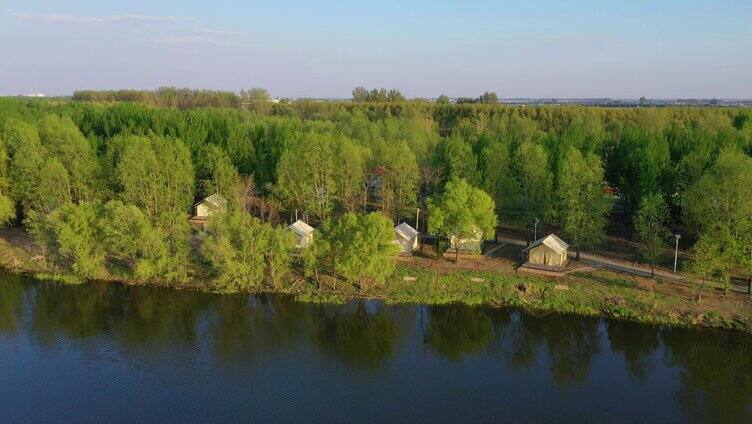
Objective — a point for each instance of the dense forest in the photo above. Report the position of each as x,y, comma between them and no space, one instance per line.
110,178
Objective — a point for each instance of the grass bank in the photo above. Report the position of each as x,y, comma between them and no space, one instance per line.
592,293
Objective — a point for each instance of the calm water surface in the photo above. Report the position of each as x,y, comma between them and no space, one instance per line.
105,353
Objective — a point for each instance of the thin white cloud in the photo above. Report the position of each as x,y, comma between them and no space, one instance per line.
58,18
217,32
186,39
195,38
214,36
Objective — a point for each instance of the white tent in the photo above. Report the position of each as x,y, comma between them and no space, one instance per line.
212,204
303,233
470,244
548,251
406,237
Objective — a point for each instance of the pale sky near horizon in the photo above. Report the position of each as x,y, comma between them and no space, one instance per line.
546,48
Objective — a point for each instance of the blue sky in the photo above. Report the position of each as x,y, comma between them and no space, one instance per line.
312,48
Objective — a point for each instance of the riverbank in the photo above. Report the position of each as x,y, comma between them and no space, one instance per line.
480,281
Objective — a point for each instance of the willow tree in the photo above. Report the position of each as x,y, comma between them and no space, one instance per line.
355,247
63,140
246,254
39,182
155,174
220,176
306,176
460,212
7,208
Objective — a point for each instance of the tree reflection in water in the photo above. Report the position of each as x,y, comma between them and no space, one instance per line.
715,374
636,343
571,344
12,289
356,335
707,373
458,330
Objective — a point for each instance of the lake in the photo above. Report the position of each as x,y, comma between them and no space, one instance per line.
110,353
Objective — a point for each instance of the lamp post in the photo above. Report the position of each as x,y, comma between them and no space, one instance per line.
676,251
535,231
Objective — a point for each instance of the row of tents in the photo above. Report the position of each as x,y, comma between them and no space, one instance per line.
549,251
405,236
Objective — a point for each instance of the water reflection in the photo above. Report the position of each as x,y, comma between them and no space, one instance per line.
715,374
12,289
459,330
636,343
706,375
356,335
570,344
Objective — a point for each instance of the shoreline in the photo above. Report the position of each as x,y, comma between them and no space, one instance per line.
592,294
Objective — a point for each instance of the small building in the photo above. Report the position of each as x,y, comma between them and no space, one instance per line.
303,233
406,237
471,244
549,251
209,206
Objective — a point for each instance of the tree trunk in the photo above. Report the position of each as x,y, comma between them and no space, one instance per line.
652,270
456,253
577,257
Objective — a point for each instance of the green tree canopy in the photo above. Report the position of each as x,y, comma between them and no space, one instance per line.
583,204
155,174
356,247
456,157
246,254
534,180
459,212
220,176
64,141
650,228
39,182
399,183
306,176
718,209
72,233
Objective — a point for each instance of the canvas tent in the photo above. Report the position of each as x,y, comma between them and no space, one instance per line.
303,233
471,244
406,237
548,251
212,204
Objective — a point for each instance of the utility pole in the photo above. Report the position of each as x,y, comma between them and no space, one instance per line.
535,231
676,251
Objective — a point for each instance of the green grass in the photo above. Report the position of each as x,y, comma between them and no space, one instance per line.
597,293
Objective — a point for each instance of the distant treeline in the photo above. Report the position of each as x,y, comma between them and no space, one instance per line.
181,98
575,168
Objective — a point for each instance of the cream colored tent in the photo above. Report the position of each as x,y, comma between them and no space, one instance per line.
303,233
548,251
406,237
472,244
211,205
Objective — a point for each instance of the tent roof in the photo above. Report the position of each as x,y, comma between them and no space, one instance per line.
406,231
216,200
301,228
552,242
